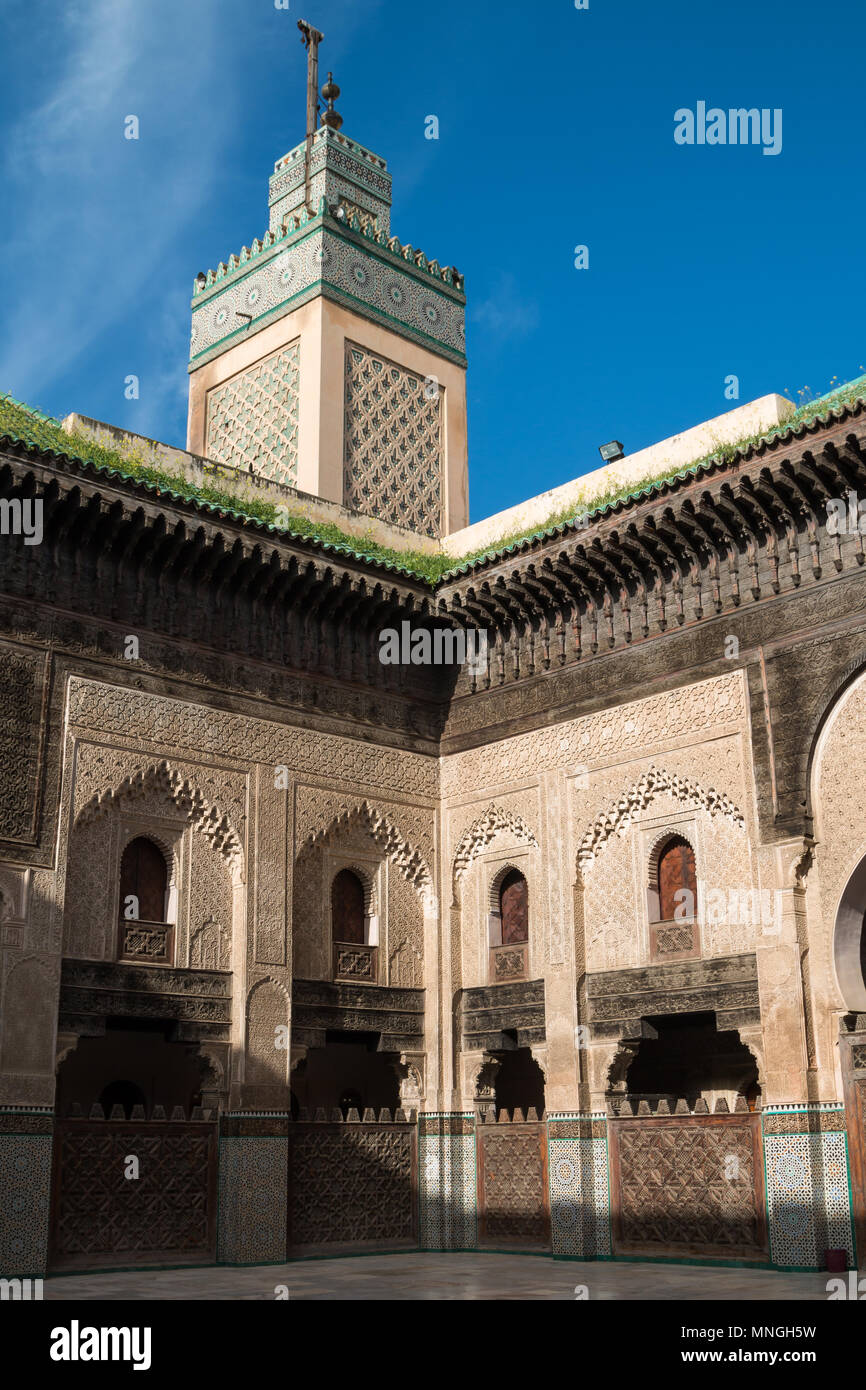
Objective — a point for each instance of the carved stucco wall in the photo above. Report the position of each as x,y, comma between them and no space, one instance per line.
615,881
145,797
507,849
547,790
562,780
682,716
839,805
691,749
482,838
29,984
252,777
390,842
839,799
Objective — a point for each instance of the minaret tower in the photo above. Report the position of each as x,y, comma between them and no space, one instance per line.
327,356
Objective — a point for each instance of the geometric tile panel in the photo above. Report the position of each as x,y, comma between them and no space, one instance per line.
579,1196
253,1179
392,462
808,1198
25,1203
447,1182
252,420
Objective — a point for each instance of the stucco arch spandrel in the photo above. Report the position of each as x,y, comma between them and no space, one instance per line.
384,833
829,702
835,703
266,982
482,832
621,815
204,815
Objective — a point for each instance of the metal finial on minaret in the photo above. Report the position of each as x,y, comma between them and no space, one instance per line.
310,38
330,92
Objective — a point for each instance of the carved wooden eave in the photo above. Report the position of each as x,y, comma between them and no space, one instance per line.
708,553
121,552
700,546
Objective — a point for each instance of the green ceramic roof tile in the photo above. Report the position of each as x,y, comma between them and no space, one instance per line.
33,428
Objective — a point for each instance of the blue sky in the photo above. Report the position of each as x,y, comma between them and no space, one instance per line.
556,129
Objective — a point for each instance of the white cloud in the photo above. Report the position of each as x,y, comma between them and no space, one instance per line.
506,313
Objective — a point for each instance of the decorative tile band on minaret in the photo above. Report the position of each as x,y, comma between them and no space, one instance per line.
279,331
341,171
329,255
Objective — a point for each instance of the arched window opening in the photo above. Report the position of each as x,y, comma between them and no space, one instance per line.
508,929
673,897
145,936
514,908
347,907
355,956
677,881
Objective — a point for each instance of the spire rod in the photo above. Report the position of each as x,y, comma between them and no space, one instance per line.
310,38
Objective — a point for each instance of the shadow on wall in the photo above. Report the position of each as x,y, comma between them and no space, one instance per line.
348,1073
689,1059
132,1064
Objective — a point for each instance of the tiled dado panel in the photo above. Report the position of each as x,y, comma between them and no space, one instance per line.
25,1191
447,1181
808,1184
253,1182
577,1166
252,420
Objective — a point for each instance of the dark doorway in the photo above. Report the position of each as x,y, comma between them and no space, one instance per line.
519,1082
130,1065
348,1073
689,1058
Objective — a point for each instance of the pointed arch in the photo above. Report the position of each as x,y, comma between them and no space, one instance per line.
482,831
655,780
386,835
266,1010
502,872
206,816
